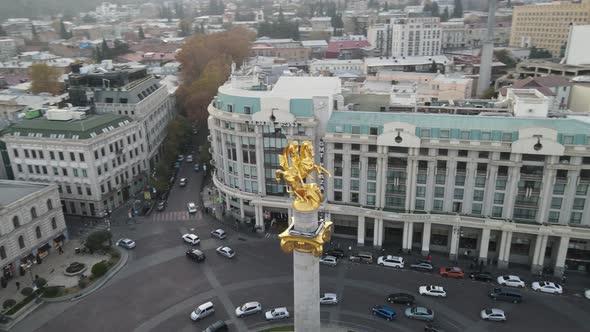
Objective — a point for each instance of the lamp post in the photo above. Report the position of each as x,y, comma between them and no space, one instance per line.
107,215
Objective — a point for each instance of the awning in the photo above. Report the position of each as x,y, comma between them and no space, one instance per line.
45,247
59,238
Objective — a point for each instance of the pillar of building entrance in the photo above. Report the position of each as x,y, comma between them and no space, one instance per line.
408,234
454,249
561,256
259,218
426,229
539,254
484,244
360,231
504,254
378,232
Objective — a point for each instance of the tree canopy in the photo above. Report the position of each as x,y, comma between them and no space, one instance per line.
458,9
44,79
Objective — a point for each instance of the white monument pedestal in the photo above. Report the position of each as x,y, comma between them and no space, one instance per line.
306,278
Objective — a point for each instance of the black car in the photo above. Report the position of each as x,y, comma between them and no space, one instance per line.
422,266
218,326
338,253
402,298
481,276
195,255
432,328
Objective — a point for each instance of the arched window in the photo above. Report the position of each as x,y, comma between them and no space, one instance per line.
33,212
15,222
38,232
2,252
49,204
53,223
21,242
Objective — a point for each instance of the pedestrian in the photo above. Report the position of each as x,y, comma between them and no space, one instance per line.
429,258
563,279
61,250
17,285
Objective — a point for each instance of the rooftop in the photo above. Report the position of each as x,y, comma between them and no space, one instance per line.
12,191
408,60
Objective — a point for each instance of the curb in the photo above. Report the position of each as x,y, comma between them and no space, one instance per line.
97,285
29,309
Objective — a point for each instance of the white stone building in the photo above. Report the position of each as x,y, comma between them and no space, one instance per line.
416,36
7,49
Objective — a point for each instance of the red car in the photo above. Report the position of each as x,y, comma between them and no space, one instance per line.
453,272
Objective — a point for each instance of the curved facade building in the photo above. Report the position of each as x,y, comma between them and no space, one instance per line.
502,189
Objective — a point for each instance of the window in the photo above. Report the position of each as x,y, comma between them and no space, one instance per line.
64,171
582,189
21,242
460,180
579,203
72,156
247,110
19,168
476,208
497,212
79,190
49,204
371,187
420,191
75,170
463,153
371,200
337,146
68,189
421,178
373,131
61,155
81,156
2,252
559,188
26,153
458,193
478,195
88,191
15,222
504,155
354,197
53,223
480,181
424,132
230,108
355,147
84,173
439,192
420,204
438,205
556,202
576,217
15,151
338,196
38,232
498,198
553,216
500,184
356,130
440,178
51,155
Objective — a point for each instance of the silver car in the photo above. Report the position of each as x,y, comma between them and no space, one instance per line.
493,314
226,251
219,233
329,260
328,298
249,308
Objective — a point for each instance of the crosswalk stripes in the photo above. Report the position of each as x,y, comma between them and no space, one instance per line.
271,236
175,216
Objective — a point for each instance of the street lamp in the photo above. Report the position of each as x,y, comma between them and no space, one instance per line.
107,214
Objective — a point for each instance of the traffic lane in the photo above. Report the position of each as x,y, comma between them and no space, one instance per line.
272,296
130,301
183,322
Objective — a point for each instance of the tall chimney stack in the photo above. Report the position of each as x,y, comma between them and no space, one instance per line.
487,52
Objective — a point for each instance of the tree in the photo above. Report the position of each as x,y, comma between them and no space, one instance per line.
96,240
458,10
44,79
445,15
539,53
489,93
64,34
505,57
184,28
88,19
179,10
2,32
433,67
141,34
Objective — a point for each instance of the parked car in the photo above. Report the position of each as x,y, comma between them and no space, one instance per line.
192,207
510,280
493,314
338,253
219,233
481,276
502,294
328,298
182,182
218,326
196,255
433,328
226,251
361,257
126,243
422,266
547,287
436,291
587,294
276,314
383,311
249,308
420,313
180,158
161,205
189,158
191,238
391,261
329,260
196,167
452,272
402,298
203,311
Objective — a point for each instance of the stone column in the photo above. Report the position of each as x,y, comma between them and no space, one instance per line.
378,232
306,278
504,254
539,254
561,255
484,245
360,231
259,218
426,230
454,249
408,233
242,211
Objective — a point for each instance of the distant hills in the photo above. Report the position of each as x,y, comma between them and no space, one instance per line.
41,8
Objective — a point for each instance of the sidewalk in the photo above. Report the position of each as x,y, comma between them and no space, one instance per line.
80,226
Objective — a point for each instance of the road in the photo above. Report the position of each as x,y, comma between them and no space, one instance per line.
159,286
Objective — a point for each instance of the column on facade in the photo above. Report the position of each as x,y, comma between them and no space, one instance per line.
224,157
450,185
346,174
378,232
411,171
454,249
408,234
489,193
564,242
469,186
504,254
484,244
259,212
239,165
569,196
430,183
546,194
511,189
426,230
363,174
381,177
227,204
360,231
260,161
539,254
242,210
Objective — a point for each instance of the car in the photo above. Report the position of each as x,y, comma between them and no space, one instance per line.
510,280
391,261
547,287
452,272
493,314
505,295
182,182
203,311
219,233
226,251
126,243
191,238
436,291
249,308
161,205
180,158
383,311
196,167
419,313
192,207
587,294
276,314
329,260
481,276
189,158
361,257
218,326
328,298
402,298
196,255
195,131
422,266
338,253
432,328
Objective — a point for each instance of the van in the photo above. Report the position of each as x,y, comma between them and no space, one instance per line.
202,311
502,294
362,257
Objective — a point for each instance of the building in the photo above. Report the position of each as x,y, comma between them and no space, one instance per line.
547,25
556,88
128,91
18,27
407,64
97,160
475,34
7,49
537,68
416,36
577,50
379,36
317,48
33,224
453,34
293,51
347,49
429,86
511,190
336,67
579,100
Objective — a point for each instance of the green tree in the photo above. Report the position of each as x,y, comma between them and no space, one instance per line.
141,34
505,57
489,93
539,53
458,10
64,34
88,19
445,15
184,28
433,67
2,32
99,269
44,79
97,240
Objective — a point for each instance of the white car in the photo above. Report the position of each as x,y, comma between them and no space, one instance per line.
219,233
126,243
329,260
391,261
328,298
277,313
547,287
493,314
180,157
182,182
587,294
248,309
226,251
436,291
189,158
192,207
191,239
510,280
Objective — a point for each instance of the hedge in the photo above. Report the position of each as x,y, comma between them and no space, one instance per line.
8,303
99,269
21,304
